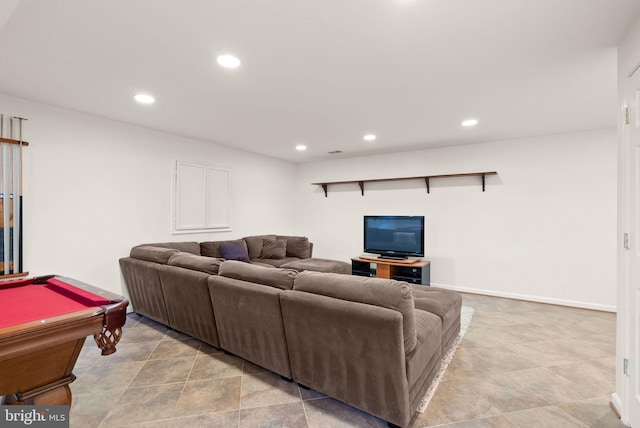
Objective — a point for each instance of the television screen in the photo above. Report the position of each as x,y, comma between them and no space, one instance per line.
394,236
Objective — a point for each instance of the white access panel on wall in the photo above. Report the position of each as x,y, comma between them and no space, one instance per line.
201,198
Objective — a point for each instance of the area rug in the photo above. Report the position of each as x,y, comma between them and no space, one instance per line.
465,319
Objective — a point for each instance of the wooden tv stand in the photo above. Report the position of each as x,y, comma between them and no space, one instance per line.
412,271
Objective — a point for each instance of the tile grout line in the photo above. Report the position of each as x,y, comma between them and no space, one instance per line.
133,377
240,398
304,408
184,386
572,418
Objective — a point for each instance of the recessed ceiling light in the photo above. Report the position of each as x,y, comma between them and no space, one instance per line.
470,122
228,61
369,137
301,147
144,98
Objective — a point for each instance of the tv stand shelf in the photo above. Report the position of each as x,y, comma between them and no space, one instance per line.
411,271
426,178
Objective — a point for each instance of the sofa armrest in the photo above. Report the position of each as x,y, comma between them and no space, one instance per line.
186,247
152,254
142,281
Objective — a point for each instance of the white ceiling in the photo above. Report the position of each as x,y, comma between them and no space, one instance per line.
323,72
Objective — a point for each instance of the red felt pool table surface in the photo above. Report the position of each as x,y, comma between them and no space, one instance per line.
23,301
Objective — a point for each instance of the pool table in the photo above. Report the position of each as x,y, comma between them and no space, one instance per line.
44,322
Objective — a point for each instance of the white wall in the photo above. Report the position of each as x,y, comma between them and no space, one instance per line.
545,229
93,188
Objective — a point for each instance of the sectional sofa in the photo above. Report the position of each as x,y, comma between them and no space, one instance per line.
374,344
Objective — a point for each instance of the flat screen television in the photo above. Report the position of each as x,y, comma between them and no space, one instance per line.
393,236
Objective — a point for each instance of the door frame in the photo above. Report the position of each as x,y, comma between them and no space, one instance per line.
623,400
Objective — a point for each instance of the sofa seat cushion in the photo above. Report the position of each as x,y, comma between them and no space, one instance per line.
278,278
258,262
273,262
153,254
319,265
386,293
428,347
204,264
444,303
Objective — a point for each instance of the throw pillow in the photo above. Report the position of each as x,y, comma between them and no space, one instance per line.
297,246
212,248
254,244
234,252
273,249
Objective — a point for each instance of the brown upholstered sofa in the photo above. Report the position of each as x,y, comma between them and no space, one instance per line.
374,344
177,263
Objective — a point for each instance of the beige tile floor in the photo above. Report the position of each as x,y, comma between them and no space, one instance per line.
521,364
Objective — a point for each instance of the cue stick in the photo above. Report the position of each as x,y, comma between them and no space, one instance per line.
5,206
18,254
10,194
16,204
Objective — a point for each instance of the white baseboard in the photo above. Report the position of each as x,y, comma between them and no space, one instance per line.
617,403
537,299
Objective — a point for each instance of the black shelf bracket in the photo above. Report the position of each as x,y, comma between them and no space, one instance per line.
324,187
361,184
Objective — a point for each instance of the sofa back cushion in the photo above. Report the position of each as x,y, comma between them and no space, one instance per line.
187,247
297,246
254,244
273,249
204,264
273,277
386,293
152,254
216,248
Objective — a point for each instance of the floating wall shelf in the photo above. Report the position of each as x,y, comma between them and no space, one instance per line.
426,178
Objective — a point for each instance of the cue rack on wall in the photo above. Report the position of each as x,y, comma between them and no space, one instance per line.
11,206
